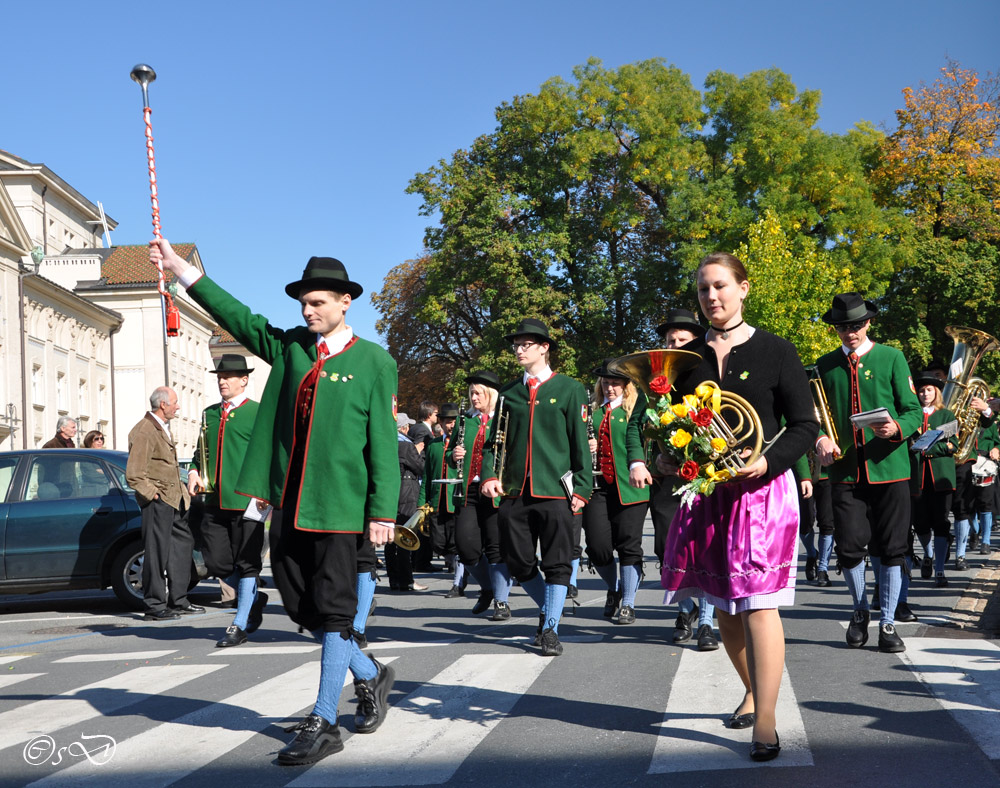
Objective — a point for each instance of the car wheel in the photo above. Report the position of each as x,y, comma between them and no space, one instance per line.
126,575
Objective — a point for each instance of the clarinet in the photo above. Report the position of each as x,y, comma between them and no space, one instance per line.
595,463
459,494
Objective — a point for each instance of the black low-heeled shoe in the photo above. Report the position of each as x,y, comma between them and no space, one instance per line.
759,751
739,721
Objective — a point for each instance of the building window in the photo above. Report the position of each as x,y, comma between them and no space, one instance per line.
100,403
82,406
61,392
37,386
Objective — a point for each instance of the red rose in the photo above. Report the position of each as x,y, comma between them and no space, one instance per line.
689,471
660,385
703,417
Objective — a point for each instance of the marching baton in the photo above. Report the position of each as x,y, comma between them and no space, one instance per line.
144,74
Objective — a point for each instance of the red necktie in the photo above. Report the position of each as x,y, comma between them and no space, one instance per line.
533,384
322,351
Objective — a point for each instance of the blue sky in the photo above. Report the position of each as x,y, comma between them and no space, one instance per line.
289,130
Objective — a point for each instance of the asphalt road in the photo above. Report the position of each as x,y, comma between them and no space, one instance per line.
90,694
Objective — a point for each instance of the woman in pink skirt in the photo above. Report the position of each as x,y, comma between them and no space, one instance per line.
738,544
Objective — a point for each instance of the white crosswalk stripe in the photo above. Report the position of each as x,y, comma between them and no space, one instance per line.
130,656
94,700
8,679
433,729
693,737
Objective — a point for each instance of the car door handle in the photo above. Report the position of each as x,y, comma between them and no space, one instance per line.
103,510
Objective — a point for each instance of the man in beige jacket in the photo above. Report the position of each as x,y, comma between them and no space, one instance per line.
153,472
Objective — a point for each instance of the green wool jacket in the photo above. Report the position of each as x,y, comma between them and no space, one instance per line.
939,458
626,447
553,429
235,440
351,469
439,495
883,382
469,441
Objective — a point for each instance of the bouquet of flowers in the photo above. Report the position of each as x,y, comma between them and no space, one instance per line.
685,435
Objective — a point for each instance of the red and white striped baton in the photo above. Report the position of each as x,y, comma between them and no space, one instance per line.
144,74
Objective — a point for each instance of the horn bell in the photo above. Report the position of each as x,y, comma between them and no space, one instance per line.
643,367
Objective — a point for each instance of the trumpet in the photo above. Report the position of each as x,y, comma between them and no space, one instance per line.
405,536
206,478
500,441
821,407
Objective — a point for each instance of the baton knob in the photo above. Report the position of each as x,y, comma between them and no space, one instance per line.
143,74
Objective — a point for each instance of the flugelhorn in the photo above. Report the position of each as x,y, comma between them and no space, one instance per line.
405,535
821,406
971,345
500,441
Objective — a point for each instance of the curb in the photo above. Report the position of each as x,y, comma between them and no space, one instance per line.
979,606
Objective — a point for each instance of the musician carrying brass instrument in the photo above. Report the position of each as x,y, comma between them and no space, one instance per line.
870,481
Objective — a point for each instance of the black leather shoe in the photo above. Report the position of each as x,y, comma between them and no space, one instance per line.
161,615
373,697
857,630
551,647
984,549
188,610
682,628
315,739
706,638
626,615
611,604
234,637
739,721
904,614
454,592
811,568
538,632
961,565
484,601
501,611
888,641
572,592
876,598
940,581
760,751
256,617
823,578
972,542
926,568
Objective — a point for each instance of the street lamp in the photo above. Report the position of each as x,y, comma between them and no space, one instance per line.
23,270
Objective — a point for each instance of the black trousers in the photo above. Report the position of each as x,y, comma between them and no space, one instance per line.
968,498
527,524
930,512
316,573
443,533
871,518
231,542
399,562
663,505
168,543
612,526
477,529
823,498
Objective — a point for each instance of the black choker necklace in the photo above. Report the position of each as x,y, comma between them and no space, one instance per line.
724,332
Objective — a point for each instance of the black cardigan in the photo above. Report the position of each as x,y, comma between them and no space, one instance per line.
767,372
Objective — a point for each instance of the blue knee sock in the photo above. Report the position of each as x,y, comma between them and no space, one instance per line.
502,581
555,598
961,537
889,586
361,665
535,588
366,593
974,523
459,574
481,571
706,611
333,664
825,550
855,579
245,595
630,584
574,571
809,542
686,605
940,551
609,574
986,528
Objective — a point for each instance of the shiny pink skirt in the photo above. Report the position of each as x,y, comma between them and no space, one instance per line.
737,544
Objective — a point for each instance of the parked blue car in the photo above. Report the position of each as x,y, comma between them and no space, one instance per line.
68,519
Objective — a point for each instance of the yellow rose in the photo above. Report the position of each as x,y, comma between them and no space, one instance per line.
680,410
666,417
718,444
692,401
680,439
704,392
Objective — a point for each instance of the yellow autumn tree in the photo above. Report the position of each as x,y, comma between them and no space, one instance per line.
792,283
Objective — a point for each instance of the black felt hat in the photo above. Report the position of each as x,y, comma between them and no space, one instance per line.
605,371
849,308
681,318
324,273
231,363
448,411
534,328
927,380
484,378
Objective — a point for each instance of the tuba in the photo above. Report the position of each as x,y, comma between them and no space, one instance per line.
741,430
970,346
